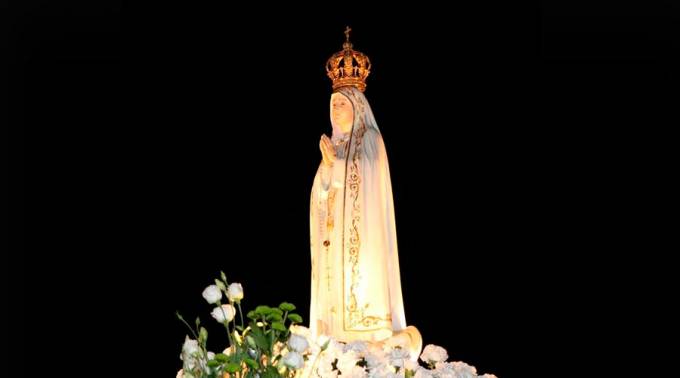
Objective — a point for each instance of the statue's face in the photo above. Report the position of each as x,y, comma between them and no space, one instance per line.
342,113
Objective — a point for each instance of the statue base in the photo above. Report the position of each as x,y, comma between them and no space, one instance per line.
410,336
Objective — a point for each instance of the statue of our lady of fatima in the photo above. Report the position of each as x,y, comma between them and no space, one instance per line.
356,287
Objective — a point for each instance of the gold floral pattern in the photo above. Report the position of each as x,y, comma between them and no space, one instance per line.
355,318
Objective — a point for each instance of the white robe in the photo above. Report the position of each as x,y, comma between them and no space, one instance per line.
356,287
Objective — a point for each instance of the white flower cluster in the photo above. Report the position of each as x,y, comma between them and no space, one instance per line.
330,358
213,295
192,358
326,357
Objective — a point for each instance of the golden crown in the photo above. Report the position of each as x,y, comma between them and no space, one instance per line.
348,67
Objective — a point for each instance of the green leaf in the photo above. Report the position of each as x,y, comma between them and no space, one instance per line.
223,276
274,317
271,372
251,315
277,311
252,363
279,326
260,339
198,321
221,357
254,328
251,341
263,310
178,315
214,363
295,318
232,368
285,306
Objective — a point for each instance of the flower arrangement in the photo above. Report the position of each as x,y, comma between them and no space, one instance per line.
274,345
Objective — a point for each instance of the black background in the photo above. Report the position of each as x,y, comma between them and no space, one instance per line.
160,145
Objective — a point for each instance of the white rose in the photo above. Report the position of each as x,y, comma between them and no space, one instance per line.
445,370
347,361
223,313
334,348
211,356
384,371
411,365
189,353
487,376
300,330
298,343
375,359
423,373
358,372
328,357
464,370
397,357
190,346
212,294
358,346
325,368
433,354
293,360
235,292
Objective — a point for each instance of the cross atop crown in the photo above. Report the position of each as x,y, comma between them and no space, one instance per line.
348,67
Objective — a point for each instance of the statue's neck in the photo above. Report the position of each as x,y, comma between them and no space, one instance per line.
339,137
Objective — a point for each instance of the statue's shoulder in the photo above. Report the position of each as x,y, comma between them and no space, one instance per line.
371,133
372,142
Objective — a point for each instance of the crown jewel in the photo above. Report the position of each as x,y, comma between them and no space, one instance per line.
348,67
